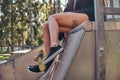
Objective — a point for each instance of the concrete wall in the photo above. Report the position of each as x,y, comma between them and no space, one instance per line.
16,68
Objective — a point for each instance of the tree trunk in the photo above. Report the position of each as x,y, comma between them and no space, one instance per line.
57,6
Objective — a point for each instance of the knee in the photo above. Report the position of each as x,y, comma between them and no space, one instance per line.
50,17
45,28
85,16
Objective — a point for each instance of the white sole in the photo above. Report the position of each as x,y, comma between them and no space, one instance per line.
34,72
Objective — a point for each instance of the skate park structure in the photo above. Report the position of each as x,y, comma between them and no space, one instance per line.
91,51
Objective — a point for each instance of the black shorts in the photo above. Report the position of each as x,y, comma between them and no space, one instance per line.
89,12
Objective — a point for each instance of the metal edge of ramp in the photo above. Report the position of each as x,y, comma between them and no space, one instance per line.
71,45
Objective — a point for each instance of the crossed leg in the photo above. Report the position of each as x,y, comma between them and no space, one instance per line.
46,35
61,22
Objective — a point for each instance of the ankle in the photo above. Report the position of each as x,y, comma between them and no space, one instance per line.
54,45
52,50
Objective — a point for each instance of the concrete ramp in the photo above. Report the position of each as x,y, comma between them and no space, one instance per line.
16,68
77,62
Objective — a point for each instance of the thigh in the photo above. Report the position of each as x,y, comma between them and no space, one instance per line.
70,19
64,29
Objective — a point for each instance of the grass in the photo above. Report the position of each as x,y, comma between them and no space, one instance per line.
4,57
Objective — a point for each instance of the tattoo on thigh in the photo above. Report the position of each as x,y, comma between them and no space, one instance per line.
74,23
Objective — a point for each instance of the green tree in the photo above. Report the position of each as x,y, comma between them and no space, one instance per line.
15,21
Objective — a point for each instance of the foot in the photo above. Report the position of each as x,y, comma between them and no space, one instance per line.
37,68
54,51
34,68
44,67
41,55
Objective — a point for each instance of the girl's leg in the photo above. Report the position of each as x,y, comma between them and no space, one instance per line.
54,49
67,19
71,20
56,29
46,37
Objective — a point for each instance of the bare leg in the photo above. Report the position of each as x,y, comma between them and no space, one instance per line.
54,30
66,19
47,42
46,35
57,23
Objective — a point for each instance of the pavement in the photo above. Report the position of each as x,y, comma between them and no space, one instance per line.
2,61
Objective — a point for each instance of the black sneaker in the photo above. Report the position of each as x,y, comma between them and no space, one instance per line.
41,56
34,68
37,68
54,51
61,36
47,63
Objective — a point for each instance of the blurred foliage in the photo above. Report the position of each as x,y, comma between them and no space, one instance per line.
4,52
15,21
4,57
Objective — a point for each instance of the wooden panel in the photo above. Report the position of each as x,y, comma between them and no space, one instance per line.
115,11
82,64
112,25
99,40
109,25
82,67
112,55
